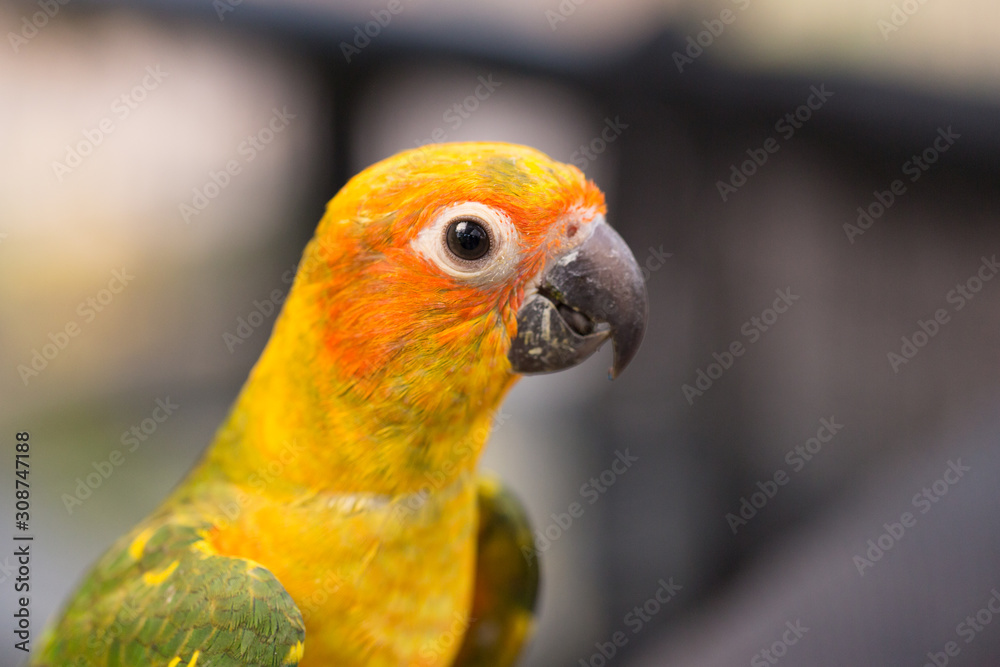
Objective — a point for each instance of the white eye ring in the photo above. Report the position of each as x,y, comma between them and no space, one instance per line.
497,264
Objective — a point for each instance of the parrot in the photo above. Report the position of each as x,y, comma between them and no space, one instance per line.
337,518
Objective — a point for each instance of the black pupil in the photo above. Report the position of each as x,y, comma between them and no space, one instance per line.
467,239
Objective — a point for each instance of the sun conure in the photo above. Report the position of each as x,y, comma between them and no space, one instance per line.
337,518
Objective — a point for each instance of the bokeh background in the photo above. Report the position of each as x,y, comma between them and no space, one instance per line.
114,116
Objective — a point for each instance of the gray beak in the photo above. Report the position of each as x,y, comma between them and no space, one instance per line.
593,293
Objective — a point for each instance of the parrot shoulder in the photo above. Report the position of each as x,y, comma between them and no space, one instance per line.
162,596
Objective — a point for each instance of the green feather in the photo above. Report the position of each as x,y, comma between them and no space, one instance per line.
156,597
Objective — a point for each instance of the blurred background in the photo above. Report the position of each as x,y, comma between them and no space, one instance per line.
811,186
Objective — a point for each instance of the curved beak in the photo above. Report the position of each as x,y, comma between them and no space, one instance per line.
592,293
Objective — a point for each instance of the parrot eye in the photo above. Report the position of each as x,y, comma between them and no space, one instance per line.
468,239
472,242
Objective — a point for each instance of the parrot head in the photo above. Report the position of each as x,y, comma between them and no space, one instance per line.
436,278
471,260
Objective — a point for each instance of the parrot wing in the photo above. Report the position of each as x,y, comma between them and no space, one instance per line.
506,587
162,598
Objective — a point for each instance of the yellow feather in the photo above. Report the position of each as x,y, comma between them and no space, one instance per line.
346,466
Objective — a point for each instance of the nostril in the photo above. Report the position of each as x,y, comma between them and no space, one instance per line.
571,230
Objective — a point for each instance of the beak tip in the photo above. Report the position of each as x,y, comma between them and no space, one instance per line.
627,339
622,359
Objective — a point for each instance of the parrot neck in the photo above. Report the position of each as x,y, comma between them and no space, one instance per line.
298,424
